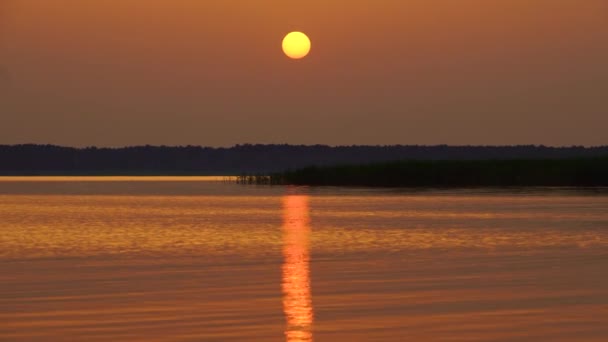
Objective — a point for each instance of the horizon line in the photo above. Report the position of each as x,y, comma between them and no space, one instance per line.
238,145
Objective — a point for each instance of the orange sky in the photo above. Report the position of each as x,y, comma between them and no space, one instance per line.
125,72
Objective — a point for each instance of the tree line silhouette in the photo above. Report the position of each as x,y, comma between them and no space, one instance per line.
33,159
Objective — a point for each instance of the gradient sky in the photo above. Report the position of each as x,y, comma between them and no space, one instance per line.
211,72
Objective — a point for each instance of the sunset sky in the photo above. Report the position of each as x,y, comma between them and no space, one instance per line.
211,72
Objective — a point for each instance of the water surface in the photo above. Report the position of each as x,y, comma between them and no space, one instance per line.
199,259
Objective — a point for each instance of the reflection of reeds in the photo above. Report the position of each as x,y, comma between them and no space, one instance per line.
450,173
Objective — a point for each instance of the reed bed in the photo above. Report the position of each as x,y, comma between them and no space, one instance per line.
448,173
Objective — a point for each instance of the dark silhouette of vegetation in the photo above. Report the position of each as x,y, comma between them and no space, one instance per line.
255,179
453,173
248,159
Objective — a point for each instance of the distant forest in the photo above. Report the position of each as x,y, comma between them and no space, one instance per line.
196,160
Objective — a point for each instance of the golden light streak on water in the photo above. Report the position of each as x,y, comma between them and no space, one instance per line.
297,298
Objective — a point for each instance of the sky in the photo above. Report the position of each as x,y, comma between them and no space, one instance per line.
211,72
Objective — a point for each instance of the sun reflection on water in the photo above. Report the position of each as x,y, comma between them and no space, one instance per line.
297,299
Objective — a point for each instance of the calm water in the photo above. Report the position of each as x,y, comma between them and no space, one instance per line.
196,259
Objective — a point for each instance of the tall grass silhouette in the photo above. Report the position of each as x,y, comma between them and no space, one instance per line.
448,173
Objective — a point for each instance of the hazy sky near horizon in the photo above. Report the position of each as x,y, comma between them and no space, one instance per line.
211,72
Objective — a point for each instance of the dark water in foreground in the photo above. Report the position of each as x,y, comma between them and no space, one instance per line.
200,260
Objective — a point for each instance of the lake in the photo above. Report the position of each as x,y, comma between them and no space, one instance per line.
202,259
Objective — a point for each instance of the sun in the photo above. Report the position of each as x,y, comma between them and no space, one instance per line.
296,45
